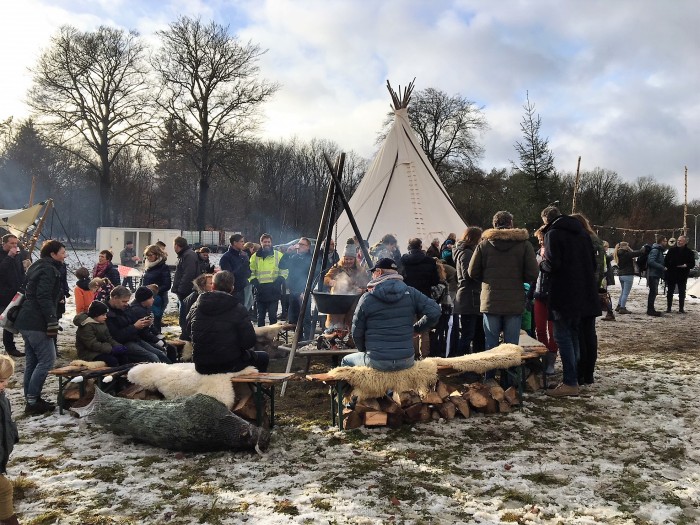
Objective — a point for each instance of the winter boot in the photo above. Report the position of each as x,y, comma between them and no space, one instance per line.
549,359
12,520
669,303
681,304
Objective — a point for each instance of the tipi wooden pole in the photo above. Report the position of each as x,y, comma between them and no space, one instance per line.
576,181
322,228
346,206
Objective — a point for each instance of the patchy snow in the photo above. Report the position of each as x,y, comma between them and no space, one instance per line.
628,452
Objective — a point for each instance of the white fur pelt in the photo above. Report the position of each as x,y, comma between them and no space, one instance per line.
88,364
182,380
368,382
503,356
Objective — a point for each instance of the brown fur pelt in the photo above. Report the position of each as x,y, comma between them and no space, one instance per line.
503,356
88,364
368,383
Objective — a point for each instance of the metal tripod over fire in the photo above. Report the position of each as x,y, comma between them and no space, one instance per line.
335,198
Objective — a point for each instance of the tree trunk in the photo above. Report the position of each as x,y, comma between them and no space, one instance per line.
202,204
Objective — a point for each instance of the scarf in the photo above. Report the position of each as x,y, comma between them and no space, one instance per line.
148,264
383,278
100,269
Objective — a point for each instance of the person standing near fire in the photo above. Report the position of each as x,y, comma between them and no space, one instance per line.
267,278
345,277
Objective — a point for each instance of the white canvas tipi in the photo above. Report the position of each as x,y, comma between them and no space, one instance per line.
401,194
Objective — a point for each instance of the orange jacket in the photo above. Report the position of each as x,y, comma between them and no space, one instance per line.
83,298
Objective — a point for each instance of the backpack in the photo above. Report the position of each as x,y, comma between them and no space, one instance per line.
643,259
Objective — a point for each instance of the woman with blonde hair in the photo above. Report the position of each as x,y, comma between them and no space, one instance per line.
624,258
156,272
8,438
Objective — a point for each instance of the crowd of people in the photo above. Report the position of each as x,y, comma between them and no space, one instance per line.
456,297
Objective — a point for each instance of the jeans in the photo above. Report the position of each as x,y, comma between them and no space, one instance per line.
495,324
364,359
40,357
566,336
142,352
267,308
653,283
294,308
626,282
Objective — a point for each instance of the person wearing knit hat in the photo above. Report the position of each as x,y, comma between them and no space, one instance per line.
350,250
143,294
97,309
93,340
8,438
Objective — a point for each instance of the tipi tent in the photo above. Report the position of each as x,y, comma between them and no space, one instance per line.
401,194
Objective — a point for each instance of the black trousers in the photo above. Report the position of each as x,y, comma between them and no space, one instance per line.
588,347
671,283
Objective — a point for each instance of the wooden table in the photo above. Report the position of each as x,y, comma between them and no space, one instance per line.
263,384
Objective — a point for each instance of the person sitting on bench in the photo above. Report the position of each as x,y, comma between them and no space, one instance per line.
384,323
92,339
221,331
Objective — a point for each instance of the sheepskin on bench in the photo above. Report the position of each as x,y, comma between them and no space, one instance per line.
503,356
88,364
369,383
182,380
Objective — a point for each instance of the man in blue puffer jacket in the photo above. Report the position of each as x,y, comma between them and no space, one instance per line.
385,323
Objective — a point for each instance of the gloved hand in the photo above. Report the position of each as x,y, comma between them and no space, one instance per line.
119,350
279,281
254,282
52,329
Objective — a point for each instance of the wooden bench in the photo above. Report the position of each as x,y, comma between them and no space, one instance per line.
263,384
67,374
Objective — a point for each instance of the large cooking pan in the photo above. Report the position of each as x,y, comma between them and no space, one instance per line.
334,303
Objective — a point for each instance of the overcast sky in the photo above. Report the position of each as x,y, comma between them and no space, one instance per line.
617,82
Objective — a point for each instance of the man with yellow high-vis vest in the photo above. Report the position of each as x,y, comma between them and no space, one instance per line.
267,279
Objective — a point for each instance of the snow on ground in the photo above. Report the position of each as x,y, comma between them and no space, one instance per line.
628,452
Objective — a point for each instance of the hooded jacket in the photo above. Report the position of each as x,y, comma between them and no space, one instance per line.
419,271
83,295
570,259
92,338
222,334
238,263
43,292
655,262
467,301
503,261
384,320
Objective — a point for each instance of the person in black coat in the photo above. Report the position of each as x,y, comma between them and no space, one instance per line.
570,260
222,332
106,269
237,261
156,271
419,270
468,298
679,261
11,277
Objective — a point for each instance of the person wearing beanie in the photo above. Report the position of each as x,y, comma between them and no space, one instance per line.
143,294
92,339
8,438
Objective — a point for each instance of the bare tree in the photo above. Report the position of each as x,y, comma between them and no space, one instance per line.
447,127
210,86
90,93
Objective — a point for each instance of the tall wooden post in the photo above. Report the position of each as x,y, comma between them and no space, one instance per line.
576,181
685,205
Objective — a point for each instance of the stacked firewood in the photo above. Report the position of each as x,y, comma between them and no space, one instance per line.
445,401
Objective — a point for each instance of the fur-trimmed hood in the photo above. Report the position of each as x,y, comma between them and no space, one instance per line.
504,239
